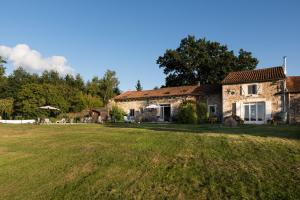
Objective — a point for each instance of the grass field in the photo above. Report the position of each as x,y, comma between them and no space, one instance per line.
149,162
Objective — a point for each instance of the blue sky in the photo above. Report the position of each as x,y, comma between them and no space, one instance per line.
128,36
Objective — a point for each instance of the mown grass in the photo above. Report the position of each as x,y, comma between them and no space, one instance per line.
149,161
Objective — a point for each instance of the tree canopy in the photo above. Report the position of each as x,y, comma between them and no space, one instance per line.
139,86
106,87
204,61
6,107
2,76
2,69
109,86
21,93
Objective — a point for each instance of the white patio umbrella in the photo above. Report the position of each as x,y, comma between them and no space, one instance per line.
48,108
152,106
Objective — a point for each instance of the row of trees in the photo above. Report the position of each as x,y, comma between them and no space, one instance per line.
21,93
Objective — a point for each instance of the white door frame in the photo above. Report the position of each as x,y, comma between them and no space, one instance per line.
162,111
256,112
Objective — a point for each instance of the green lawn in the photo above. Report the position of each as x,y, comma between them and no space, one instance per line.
150,161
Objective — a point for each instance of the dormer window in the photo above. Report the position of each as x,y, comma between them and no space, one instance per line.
252,89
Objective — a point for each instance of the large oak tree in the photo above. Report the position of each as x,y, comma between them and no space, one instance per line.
204,61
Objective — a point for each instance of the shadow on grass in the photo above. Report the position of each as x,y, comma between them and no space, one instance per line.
280,131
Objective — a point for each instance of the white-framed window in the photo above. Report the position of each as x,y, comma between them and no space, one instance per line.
212,110
252,89
254,112
131,112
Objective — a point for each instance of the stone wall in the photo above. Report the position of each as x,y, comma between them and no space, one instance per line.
294,108
213,99
137,105
267,92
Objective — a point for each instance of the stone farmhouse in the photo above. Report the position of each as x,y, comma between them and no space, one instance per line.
259,95
256,96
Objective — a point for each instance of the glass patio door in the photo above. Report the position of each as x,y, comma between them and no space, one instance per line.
254,112
165,112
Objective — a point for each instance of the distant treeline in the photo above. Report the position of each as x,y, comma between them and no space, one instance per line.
22,93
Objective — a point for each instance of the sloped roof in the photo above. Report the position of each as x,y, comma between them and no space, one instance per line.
293,84
258,75
193,90
99,110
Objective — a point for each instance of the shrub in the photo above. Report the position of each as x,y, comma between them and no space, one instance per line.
77,119
278,117
53,119
117,114
202,112
187,113
18,117
6,108
212,119
63,115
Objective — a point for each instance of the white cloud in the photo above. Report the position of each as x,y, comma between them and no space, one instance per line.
32,61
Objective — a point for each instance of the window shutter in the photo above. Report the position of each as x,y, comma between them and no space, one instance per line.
243,89
268,110
259,88
249,89
238,109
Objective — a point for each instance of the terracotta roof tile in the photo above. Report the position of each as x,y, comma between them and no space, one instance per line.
170,91
258,75
293,84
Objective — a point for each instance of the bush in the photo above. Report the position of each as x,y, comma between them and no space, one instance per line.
278,117
53,119
18,117
117,114
187,113
202,112
212,119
